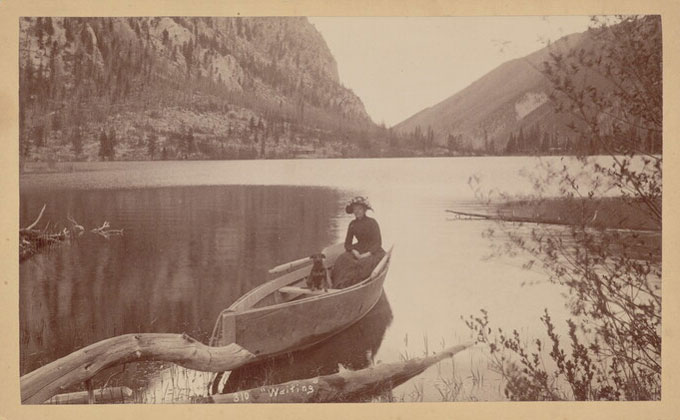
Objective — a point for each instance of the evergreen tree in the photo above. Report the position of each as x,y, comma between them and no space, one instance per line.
68,30
103,145
39,134
520,142
429,141
47,26
56,122
188,51
111,150
487,143
86,39
451,143
189,144
417,134
511,146
247,32
151,145
26,148
77,141
263,141
239,27
22,127
39,32
545,145
649,145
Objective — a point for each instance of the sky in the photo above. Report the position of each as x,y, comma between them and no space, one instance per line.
399,66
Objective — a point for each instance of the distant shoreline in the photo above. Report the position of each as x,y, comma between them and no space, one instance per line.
47,167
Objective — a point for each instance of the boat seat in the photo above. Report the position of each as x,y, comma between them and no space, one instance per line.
303,291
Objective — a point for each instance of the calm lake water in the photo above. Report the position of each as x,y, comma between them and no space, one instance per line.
197,235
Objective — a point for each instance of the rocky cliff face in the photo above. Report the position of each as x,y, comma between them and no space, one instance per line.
226,84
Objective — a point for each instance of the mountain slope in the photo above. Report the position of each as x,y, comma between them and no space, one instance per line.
512,96
187,87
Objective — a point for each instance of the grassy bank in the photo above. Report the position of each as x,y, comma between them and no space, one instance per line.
599,213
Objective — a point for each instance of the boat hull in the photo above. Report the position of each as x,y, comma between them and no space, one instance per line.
271,331
278,328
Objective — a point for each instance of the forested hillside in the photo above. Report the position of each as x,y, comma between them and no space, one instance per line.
176,88
509,110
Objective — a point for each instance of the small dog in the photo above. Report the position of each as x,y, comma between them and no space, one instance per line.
318,278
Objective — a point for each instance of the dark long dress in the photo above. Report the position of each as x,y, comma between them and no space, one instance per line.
348,269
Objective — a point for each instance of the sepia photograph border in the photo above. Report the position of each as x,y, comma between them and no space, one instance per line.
10,403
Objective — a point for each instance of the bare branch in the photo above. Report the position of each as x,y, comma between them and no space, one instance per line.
32,225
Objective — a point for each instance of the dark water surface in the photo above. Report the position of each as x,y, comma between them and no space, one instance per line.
186,254
197,235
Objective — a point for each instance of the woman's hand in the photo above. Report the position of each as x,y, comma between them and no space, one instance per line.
356,254
364,255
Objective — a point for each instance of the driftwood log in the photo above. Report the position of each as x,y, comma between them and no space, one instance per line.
345,385
106,395
41,384
509,218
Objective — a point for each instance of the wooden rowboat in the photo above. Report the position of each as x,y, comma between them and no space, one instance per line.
281,315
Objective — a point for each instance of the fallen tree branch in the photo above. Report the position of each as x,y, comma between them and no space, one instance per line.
79,229
32,240
342,386
106,231
518,219
41,384
32,225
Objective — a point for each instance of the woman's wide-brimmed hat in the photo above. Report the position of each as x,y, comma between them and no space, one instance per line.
363,201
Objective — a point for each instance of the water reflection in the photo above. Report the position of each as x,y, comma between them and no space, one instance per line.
186,254
190,250
353,348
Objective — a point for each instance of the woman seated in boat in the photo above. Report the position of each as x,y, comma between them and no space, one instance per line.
362,256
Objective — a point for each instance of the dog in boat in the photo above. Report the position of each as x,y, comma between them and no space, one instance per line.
318,278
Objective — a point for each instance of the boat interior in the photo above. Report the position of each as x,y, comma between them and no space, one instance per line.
289,282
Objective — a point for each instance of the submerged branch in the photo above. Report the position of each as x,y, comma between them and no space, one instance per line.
33,240
105,230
